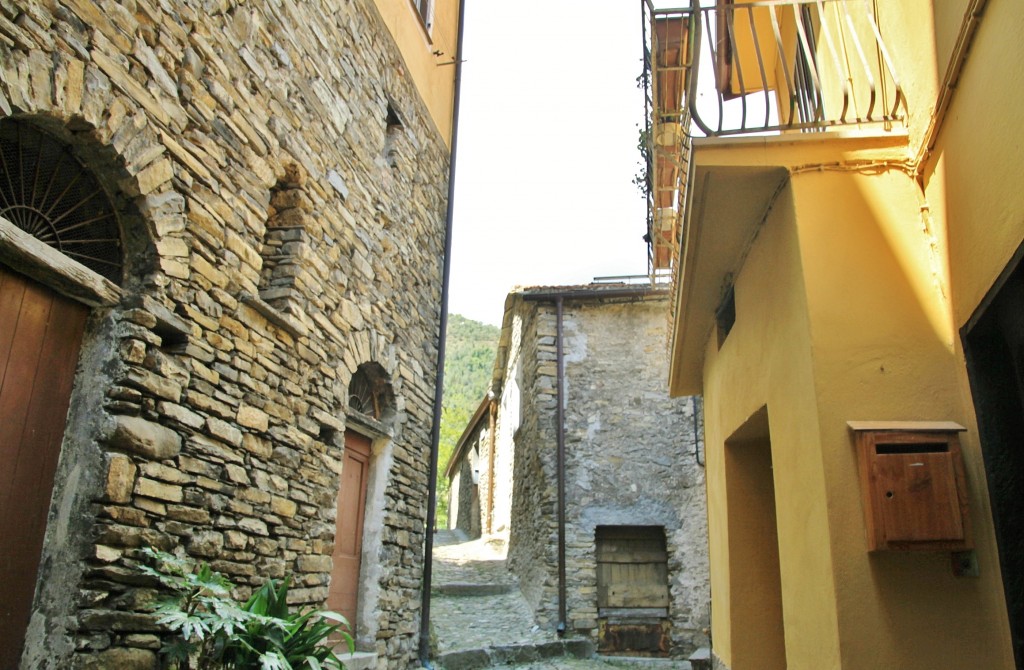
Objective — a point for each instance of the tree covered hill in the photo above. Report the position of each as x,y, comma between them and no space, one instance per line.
469,359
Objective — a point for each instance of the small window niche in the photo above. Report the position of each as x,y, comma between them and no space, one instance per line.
912,485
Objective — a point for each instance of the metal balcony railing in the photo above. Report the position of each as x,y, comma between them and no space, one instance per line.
764,66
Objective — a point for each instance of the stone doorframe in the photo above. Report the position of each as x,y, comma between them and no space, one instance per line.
365,628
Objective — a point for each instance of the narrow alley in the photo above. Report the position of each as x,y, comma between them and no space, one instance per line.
480,619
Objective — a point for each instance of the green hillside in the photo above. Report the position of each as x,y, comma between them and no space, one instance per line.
469,358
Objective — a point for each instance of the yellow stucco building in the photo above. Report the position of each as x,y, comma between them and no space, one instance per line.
845,231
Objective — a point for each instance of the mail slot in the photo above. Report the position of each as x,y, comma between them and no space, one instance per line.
912,484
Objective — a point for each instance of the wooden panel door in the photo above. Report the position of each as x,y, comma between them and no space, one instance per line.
40,335
348,540
632,590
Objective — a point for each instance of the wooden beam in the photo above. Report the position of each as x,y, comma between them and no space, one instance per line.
26,255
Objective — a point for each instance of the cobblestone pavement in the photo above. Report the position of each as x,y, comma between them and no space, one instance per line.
468,622
476,621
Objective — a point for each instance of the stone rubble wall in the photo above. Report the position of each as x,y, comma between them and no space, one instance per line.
205,419
528,418
630,461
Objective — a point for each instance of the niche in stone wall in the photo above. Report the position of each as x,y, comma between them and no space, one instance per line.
284,279
393,138
370,393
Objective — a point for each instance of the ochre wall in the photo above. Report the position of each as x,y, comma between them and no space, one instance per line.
883,351
766,360
842,315
434,75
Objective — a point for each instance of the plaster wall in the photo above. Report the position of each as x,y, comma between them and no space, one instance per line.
880,354
765,361
428,54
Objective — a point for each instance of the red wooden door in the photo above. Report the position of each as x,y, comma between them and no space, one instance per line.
348,540
40,335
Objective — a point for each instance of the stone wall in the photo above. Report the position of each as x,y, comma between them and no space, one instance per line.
631,460
280,230
527,428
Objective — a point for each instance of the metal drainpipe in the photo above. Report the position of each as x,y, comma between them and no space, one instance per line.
560,395
435,430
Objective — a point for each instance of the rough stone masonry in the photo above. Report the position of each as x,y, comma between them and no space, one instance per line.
280,191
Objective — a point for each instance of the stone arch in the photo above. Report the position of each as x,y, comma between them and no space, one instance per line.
84,467
118,135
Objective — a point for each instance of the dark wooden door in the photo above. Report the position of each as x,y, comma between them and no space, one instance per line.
40,335
994,344
632,590
348,541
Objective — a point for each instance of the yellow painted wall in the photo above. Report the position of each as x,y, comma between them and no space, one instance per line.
848,307
766,360
883,351
842,315
434,75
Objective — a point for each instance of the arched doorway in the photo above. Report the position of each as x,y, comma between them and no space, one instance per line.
371,404
47,197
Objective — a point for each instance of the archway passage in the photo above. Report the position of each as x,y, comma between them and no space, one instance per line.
39,345
343,593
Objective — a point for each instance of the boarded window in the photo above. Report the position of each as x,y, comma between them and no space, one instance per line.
632,590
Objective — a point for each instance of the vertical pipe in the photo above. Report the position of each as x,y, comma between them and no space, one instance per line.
560,395
435,430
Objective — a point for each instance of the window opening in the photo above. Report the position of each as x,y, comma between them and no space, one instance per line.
285,243
370,392
392,135
48,193
725,315
425,8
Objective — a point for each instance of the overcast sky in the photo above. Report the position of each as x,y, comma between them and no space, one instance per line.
547,149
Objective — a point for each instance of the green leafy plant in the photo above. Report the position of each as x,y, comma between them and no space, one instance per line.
214,632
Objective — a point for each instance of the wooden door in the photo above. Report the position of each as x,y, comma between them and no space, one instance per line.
40,335
343,593
632,590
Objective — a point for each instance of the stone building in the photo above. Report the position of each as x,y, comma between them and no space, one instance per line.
633,557
470,474
221,247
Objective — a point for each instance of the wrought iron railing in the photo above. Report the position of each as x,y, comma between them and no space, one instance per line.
764,66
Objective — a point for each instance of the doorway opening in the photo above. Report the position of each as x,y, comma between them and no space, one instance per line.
994,348
632,591
755,584
343,593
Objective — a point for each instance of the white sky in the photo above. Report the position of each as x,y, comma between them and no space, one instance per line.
547,149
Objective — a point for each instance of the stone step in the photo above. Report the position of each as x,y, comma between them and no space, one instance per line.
646,662
473,659
701,659
358,660
469,589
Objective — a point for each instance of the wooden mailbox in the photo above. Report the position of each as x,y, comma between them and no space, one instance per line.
912,485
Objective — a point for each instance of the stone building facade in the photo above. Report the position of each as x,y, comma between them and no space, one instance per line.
470,477
633,471
271,185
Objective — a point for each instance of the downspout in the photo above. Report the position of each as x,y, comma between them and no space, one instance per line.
560,395
435,430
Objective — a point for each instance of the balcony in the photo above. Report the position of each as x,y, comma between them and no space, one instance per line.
768,67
